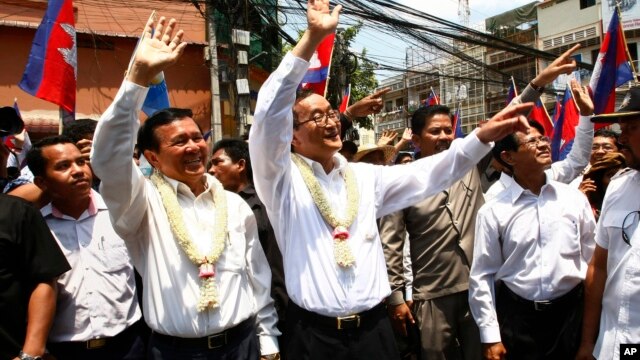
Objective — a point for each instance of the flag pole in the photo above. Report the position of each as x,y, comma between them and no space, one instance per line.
326,84
513,83
624,38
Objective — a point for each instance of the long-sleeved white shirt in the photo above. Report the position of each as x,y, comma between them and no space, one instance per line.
171,282
97,297
620,317
538,246
313,279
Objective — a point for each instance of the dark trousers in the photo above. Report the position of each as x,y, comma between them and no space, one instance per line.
241,344
312,336
540,331
128,345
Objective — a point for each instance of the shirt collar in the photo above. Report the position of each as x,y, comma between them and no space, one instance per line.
516,190
96,203
181,187
339,164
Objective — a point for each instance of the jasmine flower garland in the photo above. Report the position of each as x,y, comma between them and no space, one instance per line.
208,289
341,250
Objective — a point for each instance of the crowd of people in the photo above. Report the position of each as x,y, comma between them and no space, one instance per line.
295,244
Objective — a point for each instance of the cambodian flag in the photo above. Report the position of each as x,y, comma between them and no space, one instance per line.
557,108
565,127
51,70
157,96
345,99
316,77
539,114
512,92
457,121
612,68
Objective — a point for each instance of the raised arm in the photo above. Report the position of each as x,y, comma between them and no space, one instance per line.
272,130
123,186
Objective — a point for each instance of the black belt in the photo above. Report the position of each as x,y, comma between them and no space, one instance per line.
341,322
99,343
544,305
214,341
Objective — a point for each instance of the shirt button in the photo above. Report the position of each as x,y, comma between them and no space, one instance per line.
448,204
370,236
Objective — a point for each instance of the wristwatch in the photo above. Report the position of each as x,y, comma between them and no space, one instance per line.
537,88
275,356
24,356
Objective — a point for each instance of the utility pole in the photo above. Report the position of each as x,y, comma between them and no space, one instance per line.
212,55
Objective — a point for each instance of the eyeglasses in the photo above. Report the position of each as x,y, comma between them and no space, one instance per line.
322,120
534,142
627,223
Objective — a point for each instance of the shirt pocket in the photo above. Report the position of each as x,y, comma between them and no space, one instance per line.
233,256
114,257
568,231
612,223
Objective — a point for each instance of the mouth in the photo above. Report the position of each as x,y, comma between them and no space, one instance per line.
194,162
82,182
332,135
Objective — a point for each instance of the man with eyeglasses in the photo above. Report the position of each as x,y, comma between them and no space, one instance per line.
535,240
612,303
323,210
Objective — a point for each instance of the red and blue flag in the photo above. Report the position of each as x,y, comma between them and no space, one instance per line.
316,77
612,68
512,92
51,69
346,95
457,121
539,114
565,127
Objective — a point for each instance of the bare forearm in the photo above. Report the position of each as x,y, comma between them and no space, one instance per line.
594,288
42,308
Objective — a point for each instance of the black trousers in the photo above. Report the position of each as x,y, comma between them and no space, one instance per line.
309,338
549,331
240,343
130,344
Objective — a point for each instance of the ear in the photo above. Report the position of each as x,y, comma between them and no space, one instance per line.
41,183
152,158
296,142
507,157
241,164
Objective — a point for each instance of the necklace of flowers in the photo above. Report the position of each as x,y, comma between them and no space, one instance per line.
341,251
208,289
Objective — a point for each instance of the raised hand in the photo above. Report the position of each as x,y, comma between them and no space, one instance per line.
159,48
370,104
564,64
507,121
387,137
582,97
321,22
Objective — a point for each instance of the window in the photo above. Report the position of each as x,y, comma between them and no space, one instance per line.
586,3
388,105
633,51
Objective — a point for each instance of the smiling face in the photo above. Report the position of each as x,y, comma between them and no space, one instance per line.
601,146
533,155
67,175
182,151
311,140
436,136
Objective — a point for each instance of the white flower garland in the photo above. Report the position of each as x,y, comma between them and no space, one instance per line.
341,251
208,289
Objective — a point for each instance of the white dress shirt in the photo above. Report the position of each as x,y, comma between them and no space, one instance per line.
97,297
313,279
497,187
538,246
171,282
620,317
564,171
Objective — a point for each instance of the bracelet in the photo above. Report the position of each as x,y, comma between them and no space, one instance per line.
537,88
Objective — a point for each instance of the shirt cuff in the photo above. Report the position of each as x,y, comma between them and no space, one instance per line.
396,298
489,335
585,122
474,148
408,293
268,345
296,66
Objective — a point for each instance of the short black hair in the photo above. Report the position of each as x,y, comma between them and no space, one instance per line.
510,143
36,162
236,149
420,116
402,155
301,94
79,129
606,133
349,146
147,139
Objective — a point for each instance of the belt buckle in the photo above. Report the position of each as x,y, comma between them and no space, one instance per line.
541,305
344,322
213,345
96,343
